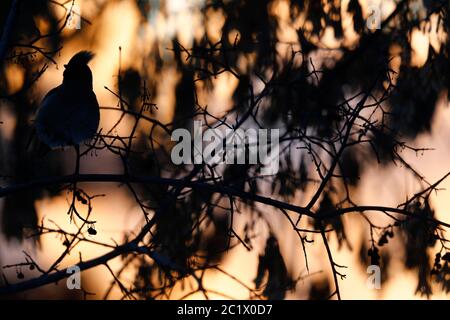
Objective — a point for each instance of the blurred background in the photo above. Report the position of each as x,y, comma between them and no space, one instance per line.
134,43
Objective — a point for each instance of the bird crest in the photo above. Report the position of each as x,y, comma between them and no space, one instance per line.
81,58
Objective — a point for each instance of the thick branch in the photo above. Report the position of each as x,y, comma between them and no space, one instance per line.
199,185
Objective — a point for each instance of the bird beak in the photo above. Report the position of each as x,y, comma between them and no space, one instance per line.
65,66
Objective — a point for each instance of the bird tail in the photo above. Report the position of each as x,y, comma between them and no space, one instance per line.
35,146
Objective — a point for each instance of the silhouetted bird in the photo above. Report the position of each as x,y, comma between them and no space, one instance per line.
69,113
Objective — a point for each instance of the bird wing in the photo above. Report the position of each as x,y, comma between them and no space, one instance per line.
85,118
49,95
34,144
50,122
67,117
